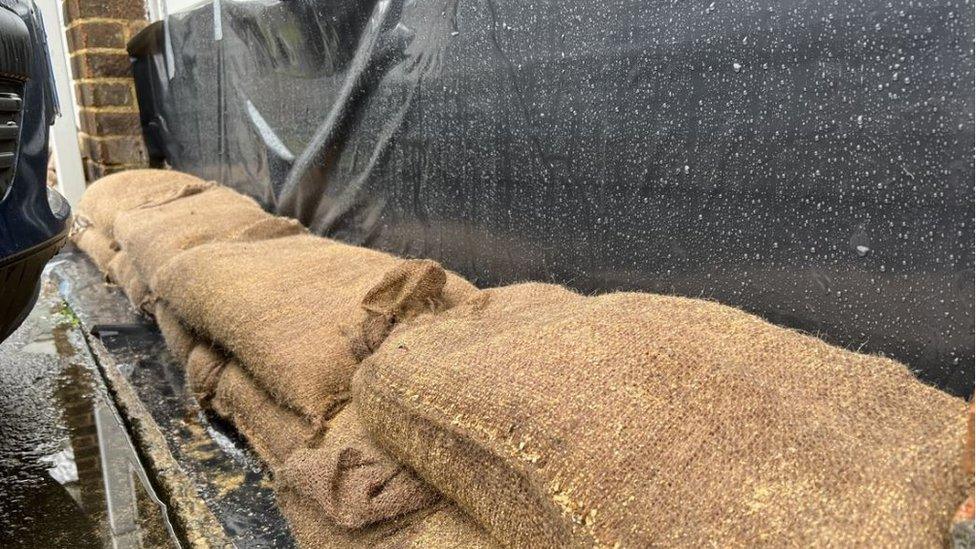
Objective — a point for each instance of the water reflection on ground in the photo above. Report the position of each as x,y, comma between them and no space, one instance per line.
69,476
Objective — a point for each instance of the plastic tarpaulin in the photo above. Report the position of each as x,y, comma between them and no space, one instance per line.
810,162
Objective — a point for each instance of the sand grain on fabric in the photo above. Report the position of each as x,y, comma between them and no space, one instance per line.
560,420
354,482
273,431
289,310
113,194
153,236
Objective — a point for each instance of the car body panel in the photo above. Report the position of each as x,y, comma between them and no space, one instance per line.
34,219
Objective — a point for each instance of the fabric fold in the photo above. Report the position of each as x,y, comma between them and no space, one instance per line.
441,526
204,365
353,481
178,337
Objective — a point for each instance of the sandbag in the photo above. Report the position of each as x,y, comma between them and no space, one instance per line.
353,482
219,384
113,194
442,526
98,247
374,502
366,498
637,420
289,310
121,271
272,430
203,368
153,236
179,340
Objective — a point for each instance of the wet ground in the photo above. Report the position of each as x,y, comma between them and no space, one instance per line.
100,443
69,475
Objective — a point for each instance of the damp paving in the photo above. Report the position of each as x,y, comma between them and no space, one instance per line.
69,474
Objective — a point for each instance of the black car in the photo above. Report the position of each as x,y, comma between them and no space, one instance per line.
34,218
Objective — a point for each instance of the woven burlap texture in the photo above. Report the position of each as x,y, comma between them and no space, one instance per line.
636,420
152,236
272,430
354,482
379,502
441,526
289,310
179,340
113,194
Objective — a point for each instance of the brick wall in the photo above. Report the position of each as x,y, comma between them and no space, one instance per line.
97,32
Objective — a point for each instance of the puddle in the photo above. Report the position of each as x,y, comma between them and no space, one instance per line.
69,476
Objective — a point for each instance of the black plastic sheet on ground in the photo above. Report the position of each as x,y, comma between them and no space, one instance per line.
810,162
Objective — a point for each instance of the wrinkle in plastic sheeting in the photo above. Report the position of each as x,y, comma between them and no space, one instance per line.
811,163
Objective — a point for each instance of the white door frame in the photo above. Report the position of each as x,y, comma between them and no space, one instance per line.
64,131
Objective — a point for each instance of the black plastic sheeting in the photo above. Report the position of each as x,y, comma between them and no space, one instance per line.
808,161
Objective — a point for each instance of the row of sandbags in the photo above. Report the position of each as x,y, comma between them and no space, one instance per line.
379,390
271,323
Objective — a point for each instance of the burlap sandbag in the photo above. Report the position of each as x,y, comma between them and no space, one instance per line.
99,248
179,340
121,271
442,526
272,430
289,310
153,236
113,194
354,482
639,420
204,366
376,502
219,384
